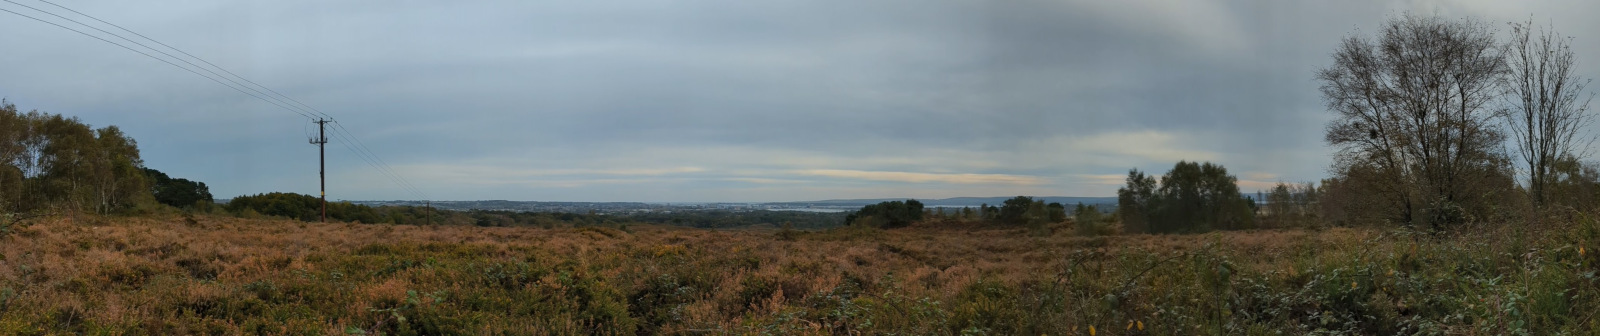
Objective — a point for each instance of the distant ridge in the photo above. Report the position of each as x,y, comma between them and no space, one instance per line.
955,201
835,204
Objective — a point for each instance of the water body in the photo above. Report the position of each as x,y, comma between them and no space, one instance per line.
812,210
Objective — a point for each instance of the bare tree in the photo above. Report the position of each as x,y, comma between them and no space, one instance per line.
1543,108
1413,110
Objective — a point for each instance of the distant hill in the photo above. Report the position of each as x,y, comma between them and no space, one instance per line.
1106,203
953,201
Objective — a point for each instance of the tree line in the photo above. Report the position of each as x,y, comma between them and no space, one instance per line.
1023,211
1437,123
54,163
309,208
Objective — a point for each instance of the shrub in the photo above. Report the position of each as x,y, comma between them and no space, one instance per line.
887,215
1089,221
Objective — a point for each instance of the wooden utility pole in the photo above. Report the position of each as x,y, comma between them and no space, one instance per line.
322,163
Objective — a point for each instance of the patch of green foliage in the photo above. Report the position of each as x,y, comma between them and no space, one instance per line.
892,214
177,192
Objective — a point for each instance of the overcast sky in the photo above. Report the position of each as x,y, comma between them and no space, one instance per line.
730,100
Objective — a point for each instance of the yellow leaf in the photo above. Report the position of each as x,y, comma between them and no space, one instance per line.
1091,330
1130,326
1352,285
1141,325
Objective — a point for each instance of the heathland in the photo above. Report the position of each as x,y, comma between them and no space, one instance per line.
174,274
1430,224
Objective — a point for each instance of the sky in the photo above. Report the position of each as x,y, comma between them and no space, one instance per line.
720,100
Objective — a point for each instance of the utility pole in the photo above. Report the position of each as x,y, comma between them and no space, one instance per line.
322,165
430,212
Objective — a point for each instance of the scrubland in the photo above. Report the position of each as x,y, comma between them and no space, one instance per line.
227,276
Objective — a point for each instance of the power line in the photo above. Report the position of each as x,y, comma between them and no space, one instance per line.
341,128
180,59
377,163
280,100
365,153
202,60
152,57
383,165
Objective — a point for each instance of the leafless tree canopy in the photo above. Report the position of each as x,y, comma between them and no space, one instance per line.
1414,109
1545,109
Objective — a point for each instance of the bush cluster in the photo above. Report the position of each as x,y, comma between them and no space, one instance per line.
892,214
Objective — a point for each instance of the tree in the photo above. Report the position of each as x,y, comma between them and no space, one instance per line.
296,206
1058,212
115,171
988,212
1290,205
1136,200
1546,108
308,208
1192,197
891,214
1037,218
52,162
1088,221
1013,210
1201,197
177,192
13,131
1411,109
1574,183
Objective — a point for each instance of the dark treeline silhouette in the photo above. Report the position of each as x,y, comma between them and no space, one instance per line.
890,214
53,163
177,192
309,208
1020,211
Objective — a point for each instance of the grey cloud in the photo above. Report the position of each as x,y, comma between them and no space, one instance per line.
1001,88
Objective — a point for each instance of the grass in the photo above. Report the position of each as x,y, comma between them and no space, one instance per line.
223,275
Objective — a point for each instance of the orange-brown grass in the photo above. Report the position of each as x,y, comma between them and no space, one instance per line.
223,275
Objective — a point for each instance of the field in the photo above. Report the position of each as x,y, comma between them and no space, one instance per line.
225,275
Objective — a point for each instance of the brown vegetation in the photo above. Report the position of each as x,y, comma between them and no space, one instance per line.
222,275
